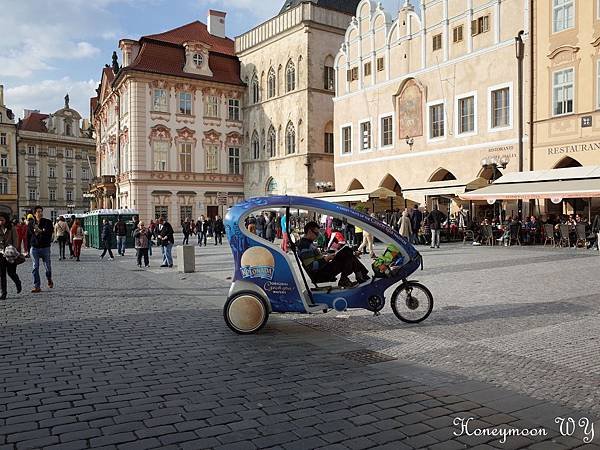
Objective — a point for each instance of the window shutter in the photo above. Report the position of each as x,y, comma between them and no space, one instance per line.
474,28
349,75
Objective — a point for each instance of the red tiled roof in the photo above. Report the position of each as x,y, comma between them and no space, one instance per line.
34,122
195,31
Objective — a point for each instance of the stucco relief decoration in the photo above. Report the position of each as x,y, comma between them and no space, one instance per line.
212,91
112,142
185,135
159,133
234,138
563,54
211,137
159,84
186,87
124,136
409,107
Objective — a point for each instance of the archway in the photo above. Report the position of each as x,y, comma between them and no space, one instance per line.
389,182
567,161
442,175
355,185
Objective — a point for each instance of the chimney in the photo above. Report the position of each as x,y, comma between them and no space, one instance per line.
1,95
216,23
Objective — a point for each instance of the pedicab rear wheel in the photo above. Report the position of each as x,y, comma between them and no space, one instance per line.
412,302
246,313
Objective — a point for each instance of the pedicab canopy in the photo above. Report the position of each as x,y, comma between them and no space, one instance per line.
263,264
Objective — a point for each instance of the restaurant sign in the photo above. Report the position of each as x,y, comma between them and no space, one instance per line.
503,151
574,148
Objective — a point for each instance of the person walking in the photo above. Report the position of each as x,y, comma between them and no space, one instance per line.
260,225
8,239
218,230
405,227
270,227
166,239
416,218
77,236
367,243
435,219
284,233
39,236
106,238
186,228
70,223
141,236
121,233
61,231
202,230
22,237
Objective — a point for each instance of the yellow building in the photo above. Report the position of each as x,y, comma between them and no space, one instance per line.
423,98
8,159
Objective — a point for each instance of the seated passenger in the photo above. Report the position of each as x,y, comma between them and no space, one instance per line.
325,267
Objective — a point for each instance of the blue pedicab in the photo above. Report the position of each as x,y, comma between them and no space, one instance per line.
267,280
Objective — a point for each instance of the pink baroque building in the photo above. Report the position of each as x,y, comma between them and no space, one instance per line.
168,124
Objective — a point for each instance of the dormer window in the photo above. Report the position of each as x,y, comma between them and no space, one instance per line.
198,59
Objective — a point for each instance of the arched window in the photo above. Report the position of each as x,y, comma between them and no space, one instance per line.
290,77
272,143
271,83
255,90
255,146
290,139
68,129
3,186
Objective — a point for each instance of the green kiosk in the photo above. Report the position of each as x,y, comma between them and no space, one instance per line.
94,221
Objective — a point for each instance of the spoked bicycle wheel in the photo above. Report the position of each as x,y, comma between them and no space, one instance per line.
412,302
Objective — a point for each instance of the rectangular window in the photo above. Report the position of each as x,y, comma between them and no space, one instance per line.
160,100
68,153
161,154
367,68
365,136
500,108
51,172
436,121
160,211
51,151
211,106
124,103
4,160
386,131
185,157
84,174
328,144
329,78
354,74
346,140
466,115
31,149
563,16
437,42
480,25
31,171
233,106
32,194
234,160
69,172
562,92
52,194
457,34
185,103
2,138
185,212
380,64
212,159
69,195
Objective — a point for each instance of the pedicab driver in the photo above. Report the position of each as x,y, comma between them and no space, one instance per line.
325,267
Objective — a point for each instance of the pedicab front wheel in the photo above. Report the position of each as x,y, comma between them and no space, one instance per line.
412,302
246,313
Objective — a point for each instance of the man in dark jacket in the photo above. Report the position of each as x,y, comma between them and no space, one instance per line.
70,223
260,225
39,236
186,229
436,218
121,233
106,239
218,229
416,217
202,230
166,240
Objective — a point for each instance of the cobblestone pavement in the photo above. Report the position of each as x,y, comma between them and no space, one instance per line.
118,357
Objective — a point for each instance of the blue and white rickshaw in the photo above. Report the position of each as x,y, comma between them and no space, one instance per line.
267,280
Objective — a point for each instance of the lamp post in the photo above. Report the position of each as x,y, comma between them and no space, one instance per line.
520,54
495,163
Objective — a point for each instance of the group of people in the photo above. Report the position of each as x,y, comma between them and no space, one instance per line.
265,225
203,228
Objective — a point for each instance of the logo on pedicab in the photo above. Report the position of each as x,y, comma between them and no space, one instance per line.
257,262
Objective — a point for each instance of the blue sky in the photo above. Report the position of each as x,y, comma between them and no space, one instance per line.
51,47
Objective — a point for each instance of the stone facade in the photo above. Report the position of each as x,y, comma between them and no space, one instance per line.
287,64
8,159
422,99
57,160
170,134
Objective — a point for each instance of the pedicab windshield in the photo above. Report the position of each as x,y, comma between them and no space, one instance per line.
279,223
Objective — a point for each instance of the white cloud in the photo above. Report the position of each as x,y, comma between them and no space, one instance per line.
47,95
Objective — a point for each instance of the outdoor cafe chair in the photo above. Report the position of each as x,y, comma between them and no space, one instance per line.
565,240
549,234
580,235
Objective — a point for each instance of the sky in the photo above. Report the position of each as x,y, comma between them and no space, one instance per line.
49,48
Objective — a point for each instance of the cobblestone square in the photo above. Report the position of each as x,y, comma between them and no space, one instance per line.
118,357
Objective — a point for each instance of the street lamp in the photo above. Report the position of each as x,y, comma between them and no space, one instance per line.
324,186
410,141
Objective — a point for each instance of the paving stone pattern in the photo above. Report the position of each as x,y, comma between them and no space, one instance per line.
115,357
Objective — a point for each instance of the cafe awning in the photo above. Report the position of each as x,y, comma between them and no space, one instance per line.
446,188
356,195
571,182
